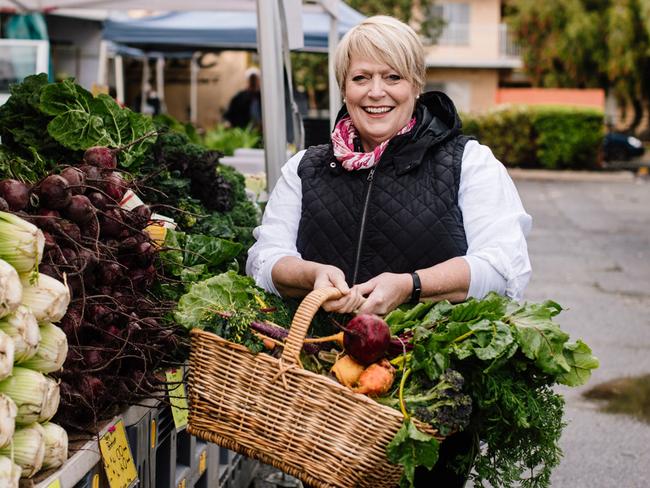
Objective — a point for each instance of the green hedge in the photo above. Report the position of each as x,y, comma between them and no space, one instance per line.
551,137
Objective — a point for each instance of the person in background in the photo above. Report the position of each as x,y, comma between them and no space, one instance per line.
245,108
398,207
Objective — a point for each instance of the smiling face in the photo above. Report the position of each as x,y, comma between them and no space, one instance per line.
380,101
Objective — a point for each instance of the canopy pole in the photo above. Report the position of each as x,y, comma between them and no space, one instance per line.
269,47
160,83
194,90
119,78
102,63
332,8
144,83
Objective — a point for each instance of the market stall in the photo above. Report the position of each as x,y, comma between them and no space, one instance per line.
122,248
279,28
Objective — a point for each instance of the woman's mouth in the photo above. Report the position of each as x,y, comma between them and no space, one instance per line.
377,110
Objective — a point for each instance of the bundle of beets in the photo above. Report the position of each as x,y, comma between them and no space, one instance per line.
118,337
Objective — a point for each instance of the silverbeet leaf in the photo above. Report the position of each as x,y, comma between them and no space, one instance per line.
581,362
411,447
82,121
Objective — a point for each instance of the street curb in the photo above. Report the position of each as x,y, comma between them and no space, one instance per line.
563,175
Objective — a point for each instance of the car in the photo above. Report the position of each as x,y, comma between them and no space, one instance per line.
621,147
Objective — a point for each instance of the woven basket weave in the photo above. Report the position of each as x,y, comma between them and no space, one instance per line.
272,410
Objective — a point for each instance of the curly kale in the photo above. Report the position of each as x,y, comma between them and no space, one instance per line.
440,403
186,160
444,405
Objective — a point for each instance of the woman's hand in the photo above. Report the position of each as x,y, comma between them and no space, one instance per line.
384,292
327,276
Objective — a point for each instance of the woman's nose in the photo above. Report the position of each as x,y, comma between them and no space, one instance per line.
376,87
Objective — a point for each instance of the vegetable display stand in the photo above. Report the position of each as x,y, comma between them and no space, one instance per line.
301,422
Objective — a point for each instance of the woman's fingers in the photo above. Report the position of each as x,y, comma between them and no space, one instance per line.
346,304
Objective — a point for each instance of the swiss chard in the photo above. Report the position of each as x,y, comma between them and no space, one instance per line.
510,355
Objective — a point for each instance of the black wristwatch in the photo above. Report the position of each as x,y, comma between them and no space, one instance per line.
417,288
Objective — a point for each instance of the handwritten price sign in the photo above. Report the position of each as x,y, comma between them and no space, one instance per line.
116,454
177,397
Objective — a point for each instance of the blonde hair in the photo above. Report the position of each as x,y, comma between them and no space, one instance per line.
385,39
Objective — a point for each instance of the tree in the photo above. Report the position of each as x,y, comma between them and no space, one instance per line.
586,43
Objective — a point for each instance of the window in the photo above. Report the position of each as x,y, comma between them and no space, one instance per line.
456,29
18,59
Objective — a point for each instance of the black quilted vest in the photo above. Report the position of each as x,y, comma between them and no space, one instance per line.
400,216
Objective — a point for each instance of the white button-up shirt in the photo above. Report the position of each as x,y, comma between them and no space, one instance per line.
495,222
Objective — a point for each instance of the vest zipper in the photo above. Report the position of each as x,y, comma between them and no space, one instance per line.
357,259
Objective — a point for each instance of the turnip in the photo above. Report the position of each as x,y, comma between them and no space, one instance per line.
15,193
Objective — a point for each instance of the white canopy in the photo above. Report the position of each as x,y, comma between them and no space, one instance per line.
279,28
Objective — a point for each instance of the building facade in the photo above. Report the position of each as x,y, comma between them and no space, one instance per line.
474,55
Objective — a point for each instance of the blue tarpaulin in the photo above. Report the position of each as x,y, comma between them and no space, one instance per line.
218,29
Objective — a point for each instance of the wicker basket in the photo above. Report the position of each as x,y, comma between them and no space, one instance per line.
303,423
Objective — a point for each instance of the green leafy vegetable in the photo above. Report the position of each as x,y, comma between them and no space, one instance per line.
510,355
53,123
226,304
411,448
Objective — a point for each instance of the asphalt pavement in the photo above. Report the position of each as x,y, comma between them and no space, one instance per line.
590,252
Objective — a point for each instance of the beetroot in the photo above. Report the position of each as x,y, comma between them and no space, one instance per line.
15,193
54,192
80,210
99,200
115,186
75,178
366,338
111,224
101,156
93,173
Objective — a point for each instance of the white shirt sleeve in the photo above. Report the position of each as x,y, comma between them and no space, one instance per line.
496,225
276,237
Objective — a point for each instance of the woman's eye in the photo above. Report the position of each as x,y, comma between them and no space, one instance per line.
358,78
394,77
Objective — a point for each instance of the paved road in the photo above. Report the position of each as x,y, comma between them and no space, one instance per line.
590,249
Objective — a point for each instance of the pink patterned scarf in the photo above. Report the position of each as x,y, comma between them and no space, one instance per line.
343,144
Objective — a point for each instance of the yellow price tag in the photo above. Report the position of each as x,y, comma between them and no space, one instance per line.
116,454
203,460
55,484
97,89
177,396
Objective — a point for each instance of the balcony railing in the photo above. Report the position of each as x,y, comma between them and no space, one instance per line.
507,44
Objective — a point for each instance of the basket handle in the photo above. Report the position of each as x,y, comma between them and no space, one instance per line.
302,320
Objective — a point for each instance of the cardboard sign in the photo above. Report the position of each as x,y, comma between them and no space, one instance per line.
118,460
177,397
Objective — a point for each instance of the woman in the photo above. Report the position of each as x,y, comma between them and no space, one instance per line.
399,207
